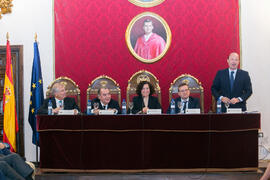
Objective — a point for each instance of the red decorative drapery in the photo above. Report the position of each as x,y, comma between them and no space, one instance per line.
90,41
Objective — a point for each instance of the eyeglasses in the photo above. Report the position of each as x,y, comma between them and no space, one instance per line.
184,90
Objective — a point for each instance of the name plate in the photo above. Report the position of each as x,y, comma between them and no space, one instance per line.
234,110
153,111
193,111
106,112
66,112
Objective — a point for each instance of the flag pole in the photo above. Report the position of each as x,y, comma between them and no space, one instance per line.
36,127
7,36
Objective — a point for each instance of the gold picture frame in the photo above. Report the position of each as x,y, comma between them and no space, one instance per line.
146,3
161,33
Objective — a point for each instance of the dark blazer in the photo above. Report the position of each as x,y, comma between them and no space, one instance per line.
69,104
193,103
138,103
241,87
112,105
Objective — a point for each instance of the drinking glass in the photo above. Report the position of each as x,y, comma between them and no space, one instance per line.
179,105
227,105
96,105
130,105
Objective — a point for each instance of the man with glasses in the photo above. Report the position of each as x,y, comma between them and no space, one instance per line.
184,101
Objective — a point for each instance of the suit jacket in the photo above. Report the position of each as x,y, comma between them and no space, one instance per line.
138,104
69,104
193,103
241,87
112,105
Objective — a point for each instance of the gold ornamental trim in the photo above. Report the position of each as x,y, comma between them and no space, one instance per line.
142,77
144,3
61,81
5,7
44,170
148,130
167,31
104,83
186,81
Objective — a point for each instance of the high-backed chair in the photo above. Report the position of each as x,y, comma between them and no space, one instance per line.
136,78
213,104
72,89
195,87
104,81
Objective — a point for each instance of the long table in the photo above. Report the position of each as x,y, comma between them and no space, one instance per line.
149,143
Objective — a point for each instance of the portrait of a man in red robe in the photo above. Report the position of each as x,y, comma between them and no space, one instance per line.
150,44
148,37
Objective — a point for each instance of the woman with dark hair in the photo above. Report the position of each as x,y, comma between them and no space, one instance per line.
145,100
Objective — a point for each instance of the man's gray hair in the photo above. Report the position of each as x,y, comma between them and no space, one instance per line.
55,87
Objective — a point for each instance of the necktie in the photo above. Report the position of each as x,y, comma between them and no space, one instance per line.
61,103
232,80
185,106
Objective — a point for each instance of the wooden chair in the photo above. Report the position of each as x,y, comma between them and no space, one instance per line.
136,78
72,89
104,81
213,104
195,87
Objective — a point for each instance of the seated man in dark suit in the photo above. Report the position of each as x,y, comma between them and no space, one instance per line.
12,166
184,100
59,101
104,101
232,85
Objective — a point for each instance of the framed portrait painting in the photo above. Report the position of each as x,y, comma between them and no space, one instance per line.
146,3
148,37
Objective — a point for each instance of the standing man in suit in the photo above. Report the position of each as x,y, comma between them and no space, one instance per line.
105,102
232,85
59,101
187,102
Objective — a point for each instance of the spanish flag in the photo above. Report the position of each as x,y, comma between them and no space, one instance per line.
9,105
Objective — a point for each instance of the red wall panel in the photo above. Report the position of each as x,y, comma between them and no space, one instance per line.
90,41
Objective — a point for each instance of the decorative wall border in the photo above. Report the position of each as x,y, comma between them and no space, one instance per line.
146,3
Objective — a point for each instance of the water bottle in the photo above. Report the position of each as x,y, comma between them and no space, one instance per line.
124,107
88,108
172,107
50,107
219,106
